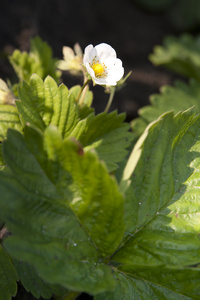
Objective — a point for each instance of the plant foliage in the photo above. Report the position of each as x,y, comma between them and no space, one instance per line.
83,208
39,60
181,55
180,97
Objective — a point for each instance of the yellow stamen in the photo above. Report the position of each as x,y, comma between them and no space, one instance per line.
98,69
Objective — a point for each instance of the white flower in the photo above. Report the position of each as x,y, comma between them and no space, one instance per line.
102,64
6,95
73,59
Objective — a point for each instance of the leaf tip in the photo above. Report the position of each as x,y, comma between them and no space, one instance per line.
80,150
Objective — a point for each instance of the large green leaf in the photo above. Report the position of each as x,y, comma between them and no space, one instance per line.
178,98
33,283
135,288
9,118
39,61
8,277
162,244
79,169
181,55
45,103
45,212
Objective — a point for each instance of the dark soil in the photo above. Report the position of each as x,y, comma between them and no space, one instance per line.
130,30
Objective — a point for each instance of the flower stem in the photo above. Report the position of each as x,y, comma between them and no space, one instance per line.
112,93
79,99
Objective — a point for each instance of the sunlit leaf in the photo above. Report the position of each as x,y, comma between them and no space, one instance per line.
45,103
162,244
39,60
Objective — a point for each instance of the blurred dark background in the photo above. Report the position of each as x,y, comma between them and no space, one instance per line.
127,26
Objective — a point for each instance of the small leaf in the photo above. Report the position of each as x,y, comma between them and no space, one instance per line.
85,108
8,275
45,64
178,98
179,54
23,64
88,95
107,134
38,61
45,103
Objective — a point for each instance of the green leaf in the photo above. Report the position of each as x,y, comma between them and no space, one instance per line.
85,108
88,95
166,283
46,232
134,288
94,209
33,283
107,134
9,118
162,244
178,98
38,61
45,64
179,54
45,103
23,64
165,152
8,275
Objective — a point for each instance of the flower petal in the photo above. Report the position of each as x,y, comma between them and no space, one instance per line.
89,54
68,53
105,51
105,81
90,70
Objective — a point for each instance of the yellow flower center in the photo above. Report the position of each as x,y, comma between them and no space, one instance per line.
98,69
